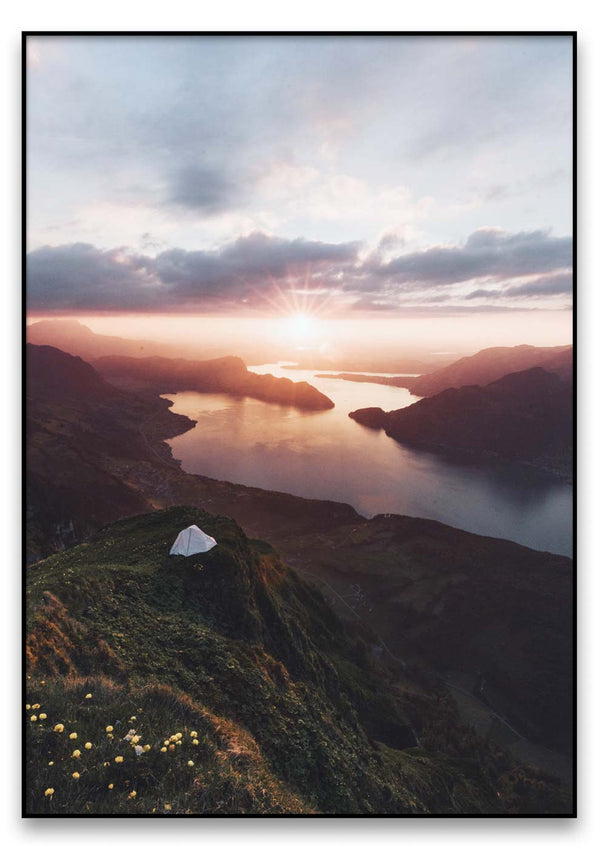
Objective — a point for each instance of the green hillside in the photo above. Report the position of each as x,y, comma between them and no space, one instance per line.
245,692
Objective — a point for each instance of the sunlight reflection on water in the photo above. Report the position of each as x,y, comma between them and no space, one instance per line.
327,455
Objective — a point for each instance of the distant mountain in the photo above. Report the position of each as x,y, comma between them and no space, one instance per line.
226,374
479,369
75,338
492,363
523,416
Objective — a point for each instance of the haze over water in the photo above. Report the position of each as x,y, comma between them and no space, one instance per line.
327,455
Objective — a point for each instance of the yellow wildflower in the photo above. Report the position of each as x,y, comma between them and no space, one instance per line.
119,759
43,716
193,733
76,754
73,735
147,747
135,739
171,747
164,749
190,763
110,786
132,718
109,728
42,683
33,718
179,735
49,791
59,727
50,763
106,763
36,707
178,742
132,795
195,743
88,695
76,776
27,707
167,807
173,737
88,746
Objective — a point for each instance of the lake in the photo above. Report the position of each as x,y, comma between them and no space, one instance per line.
327,455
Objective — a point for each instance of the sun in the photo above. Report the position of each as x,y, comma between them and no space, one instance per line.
301,324
301,329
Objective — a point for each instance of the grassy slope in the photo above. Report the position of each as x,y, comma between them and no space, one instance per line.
291,714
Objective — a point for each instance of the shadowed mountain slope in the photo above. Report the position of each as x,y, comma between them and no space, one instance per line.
526,416
76,424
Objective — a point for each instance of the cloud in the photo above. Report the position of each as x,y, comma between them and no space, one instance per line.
484,293
250,269
79,276
488,252
550,284
259,269
205,190
546,285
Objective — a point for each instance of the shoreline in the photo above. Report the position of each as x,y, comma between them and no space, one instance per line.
174,462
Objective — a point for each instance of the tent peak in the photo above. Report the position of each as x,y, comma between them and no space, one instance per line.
192,540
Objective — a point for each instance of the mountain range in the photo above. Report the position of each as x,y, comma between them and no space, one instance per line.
478,369
440,690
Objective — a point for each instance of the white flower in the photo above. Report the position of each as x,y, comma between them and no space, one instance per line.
139,750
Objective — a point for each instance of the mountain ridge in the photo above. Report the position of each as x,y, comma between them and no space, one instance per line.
224,374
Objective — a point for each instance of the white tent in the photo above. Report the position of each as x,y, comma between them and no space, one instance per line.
192,541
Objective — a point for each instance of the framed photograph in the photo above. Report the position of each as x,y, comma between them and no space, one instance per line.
298,335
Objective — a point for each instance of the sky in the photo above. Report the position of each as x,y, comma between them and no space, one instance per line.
389,177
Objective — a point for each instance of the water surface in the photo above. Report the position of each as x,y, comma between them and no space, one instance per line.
327,455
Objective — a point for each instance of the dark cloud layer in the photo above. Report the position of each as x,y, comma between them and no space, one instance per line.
80,276
543,286
486,253
253,268
550,284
